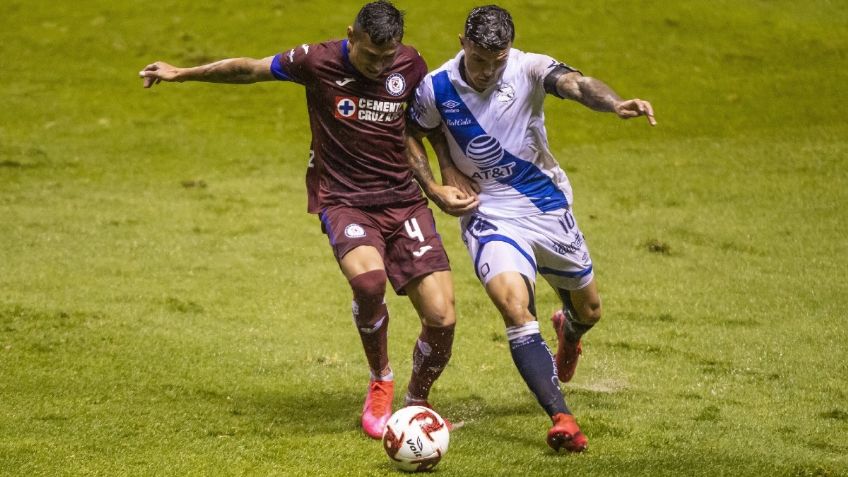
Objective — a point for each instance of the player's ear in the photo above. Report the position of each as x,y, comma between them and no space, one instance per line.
350,33
461,41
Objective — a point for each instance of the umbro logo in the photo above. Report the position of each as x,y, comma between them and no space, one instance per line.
451,107
345,81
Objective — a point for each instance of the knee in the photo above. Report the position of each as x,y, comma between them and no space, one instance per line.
439,312
590,312
369,289
514,311
369,286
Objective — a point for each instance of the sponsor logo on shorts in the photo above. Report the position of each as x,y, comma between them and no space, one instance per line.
395,84
421,251
354,231
566,248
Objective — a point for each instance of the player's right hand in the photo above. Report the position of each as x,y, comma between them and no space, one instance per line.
454,178
453,201
156,72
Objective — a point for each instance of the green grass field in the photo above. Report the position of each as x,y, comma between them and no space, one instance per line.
167,306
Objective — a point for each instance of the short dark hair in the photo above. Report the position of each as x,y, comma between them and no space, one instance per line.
490,26
381,21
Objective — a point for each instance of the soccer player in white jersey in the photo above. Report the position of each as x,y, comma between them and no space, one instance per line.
483,113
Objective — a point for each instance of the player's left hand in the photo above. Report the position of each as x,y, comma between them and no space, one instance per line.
633,108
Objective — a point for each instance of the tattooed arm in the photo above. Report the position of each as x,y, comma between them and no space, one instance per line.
595,94
448,198
232,70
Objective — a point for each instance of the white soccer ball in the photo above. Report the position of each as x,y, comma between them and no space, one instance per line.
416,438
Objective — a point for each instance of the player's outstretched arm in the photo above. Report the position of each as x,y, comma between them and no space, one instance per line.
448,198
232,70
595,94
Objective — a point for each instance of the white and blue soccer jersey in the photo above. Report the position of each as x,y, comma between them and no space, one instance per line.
497,137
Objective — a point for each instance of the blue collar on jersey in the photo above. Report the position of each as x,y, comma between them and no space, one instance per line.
346,57
488,154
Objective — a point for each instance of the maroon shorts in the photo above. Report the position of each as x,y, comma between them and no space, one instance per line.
405,236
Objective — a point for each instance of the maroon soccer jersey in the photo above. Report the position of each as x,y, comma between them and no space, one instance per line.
358,151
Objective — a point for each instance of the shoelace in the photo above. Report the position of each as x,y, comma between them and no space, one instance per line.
380,398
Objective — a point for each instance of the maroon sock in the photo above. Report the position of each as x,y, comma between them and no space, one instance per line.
372,317
430,355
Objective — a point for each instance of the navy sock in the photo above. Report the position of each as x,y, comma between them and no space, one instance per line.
535,363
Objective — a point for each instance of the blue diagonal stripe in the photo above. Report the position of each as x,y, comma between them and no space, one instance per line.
464,127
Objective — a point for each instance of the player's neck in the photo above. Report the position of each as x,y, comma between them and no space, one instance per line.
464,75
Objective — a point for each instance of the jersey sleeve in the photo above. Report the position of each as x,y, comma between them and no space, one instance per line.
422,110
545,70
292,65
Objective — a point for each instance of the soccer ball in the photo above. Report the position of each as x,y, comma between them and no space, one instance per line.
416,438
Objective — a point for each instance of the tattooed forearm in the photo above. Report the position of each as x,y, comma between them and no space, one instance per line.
597,95
421,169
588,91
233,70
418,162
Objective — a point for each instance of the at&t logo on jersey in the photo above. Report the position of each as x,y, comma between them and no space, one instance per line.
349,107
486,153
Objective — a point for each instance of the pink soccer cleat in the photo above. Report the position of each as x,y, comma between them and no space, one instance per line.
568,352
377,408
565,434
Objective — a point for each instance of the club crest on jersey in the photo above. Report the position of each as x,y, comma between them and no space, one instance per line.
345,107
506,93
354,231
395,84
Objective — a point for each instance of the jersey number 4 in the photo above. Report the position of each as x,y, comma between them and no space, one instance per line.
413,230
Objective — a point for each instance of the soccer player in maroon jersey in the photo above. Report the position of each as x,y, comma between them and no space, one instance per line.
362,187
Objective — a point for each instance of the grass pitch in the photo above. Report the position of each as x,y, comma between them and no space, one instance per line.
167,307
